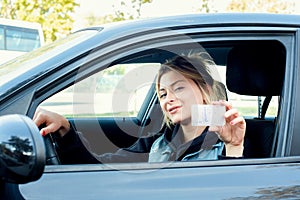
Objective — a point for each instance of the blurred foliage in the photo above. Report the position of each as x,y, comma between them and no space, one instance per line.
131,9
204,6
116,70
127,10
55,16
263,6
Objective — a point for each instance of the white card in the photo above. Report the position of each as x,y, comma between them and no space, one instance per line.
208,115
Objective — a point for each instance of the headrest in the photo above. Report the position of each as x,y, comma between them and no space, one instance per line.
256,69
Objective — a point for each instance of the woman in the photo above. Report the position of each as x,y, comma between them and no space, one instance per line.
181,83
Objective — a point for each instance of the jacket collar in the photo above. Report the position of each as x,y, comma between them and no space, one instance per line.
174,138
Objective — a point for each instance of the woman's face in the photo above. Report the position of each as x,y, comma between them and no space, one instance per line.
177,95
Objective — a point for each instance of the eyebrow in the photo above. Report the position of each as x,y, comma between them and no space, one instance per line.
181,80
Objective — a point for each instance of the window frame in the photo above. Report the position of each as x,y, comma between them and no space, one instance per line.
125,51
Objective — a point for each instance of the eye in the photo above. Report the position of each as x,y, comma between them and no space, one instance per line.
162,95
178,89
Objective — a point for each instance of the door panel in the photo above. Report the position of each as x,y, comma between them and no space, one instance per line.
107,134
169,182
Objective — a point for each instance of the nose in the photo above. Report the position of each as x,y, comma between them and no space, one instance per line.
171,97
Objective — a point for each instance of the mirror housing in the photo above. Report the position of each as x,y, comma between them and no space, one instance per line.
22,150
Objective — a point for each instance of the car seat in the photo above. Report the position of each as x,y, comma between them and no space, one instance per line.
257,69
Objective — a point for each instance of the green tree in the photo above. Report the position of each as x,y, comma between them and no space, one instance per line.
55,16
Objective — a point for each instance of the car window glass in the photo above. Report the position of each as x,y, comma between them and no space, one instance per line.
117,91
249,106
1,38
21,40
28,61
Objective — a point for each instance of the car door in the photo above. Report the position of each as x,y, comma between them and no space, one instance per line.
242,178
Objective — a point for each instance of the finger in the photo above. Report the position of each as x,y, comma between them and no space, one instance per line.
37,112
38,120
238,120
231,113
43,132
51,128
227,105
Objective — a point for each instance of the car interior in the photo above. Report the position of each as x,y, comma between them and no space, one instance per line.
253,70
260,69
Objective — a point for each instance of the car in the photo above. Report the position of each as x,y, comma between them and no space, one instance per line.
101,80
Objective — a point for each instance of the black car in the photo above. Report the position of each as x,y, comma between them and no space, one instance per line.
101,79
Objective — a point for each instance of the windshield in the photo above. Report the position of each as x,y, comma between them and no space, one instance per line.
24,63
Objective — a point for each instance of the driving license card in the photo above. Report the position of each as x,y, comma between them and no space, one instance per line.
208,115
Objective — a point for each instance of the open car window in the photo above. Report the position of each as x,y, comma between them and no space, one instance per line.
118,91
117,105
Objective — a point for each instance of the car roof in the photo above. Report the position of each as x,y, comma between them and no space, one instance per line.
211,19
116,29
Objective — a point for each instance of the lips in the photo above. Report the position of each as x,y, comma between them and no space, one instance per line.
172,110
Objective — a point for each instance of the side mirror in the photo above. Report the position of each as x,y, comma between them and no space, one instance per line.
22,150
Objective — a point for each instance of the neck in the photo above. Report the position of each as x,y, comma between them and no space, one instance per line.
191,132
